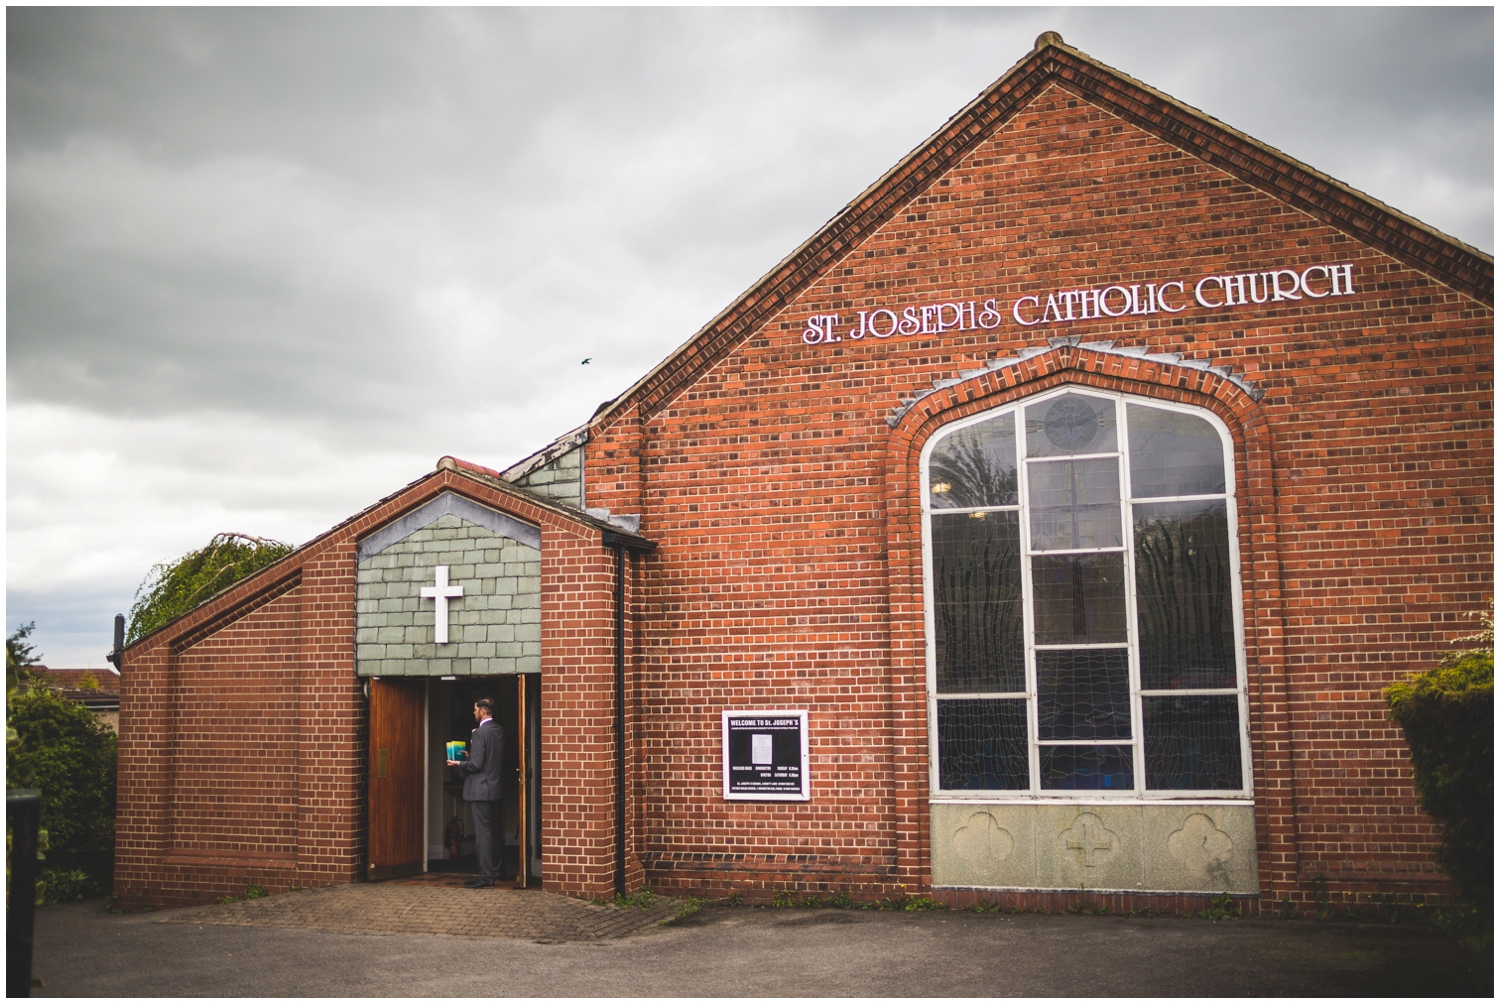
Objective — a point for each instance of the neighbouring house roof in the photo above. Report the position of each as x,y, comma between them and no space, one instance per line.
68,683
1422,247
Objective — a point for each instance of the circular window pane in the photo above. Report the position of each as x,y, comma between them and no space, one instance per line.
1070,425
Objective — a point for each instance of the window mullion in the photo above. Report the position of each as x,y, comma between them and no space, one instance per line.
1028,606
929,617
1127,515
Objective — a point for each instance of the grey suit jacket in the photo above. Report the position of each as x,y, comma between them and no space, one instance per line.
484,780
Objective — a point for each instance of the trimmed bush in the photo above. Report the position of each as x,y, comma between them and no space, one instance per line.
71,757
1447,714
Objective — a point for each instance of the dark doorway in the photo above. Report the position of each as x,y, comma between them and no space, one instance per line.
450,827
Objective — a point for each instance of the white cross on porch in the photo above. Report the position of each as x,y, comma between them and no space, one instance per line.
440,594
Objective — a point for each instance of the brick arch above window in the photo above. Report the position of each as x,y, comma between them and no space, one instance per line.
1163,376
1229,398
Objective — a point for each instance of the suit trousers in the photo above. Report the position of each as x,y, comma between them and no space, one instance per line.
486,827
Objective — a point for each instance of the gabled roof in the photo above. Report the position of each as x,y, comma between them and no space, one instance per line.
269,582
1445,259
565,443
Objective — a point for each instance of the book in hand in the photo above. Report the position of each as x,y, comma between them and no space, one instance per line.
458,750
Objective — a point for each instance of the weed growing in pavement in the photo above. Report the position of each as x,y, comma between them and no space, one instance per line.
789,899
733,899
985,905
1321,908
640,900
1086,909
1221,907
904,901
249,892
129,904
842,900
689,906
1083,907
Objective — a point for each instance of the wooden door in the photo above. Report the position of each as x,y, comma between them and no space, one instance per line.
397,711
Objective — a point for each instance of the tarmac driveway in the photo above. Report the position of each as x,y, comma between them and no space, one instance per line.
84,951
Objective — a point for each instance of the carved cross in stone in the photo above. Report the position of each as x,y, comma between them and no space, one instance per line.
1084,838
440,595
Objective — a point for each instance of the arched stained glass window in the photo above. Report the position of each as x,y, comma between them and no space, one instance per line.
1083,596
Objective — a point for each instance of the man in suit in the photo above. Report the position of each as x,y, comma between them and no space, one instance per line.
483,785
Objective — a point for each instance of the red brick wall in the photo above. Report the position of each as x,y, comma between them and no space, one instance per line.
244,729
785,509
578,713
242,752
235,726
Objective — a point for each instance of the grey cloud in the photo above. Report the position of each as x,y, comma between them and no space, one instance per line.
268,264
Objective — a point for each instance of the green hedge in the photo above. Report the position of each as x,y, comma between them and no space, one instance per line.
72,758
1447,714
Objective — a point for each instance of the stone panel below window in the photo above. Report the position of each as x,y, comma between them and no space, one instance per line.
1166,847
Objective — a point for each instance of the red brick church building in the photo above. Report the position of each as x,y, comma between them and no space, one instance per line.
1050,519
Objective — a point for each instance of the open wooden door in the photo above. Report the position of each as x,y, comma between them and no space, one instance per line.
397,715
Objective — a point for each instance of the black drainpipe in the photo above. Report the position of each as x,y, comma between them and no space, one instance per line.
620,543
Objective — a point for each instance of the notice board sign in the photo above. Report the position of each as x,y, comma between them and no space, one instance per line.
765,756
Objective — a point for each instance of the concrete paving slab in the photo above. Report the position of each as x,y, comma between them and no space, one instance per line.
744,952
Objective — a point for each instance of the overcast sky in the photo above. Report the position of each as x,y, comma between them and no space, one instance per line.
266,266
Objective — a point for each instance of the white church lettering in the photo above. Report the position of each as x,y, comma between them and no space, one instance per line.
1093,304
1065,306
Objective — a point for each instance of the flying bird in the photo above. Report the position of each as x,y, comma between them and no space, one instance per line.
587,361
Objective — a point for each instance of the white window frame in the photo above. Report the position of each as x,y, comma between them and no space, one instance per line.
1036,794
